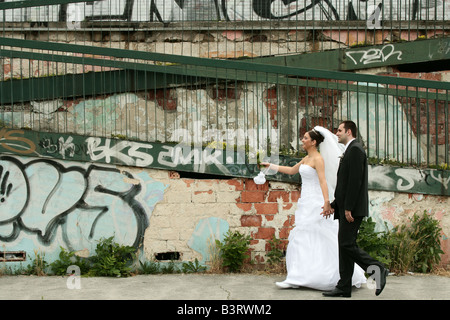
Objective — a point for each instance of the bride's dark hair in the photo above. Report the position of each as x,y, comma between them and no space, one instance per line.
316,136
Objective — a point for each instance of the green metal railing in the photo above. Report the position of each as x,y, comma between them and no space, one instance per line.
246,28
403,119
55,81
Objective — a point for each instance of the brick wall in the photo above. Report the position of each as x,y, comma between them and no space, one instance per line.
262,211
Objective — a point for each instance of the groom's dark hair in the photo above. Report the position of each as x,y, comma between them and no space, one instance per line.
350,125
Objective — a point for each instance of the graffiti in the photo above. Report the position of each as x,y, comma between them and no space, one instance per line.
192,156
45,199
441,179
62,147
133,156
290,8
442,49
374,55
12,142
233,10
178,155
408,180
206,232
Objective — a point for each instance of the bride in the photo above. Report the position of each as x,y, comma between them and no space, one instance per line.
312,258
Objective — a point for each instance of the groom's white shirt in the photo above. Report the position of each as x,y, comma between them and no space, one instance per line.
348,143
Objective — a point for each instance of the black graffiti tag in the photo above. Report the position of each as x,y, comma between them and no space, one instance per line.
5,187
44,183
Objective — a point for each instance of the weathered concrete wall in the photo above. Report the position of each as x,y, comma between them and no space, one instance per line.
51,203
179,114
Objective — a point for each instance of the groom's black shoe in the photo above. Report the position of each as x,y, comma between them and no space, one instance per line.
382,283
337,293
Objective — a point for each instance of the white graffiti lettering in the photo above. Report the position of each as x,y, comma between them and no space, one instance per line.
409,176
374,55
231,10
183,155
133,156
439,178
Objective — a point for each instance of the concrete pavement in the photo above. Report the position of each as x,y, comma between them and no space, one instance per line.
206,287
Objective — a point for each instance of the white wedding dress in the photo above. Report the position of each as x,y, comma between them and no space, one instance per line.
312,258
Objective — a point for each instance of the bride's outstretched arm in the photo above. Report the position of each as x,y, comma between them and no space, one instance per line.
283,169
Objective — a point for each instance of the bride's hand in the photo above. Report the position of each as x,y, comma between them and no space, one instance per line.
327,210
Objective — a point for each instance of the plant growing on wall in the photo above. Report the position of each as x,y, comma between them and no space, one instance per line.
374,243
412,246
66,259
275,253
233,250
112,259
427,232
38,266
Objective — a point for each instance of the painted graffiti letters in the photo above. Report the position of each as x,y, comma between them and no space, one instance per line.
166,11
374,55
273,9
443,49
5,186
409,180
46,199
439,178
133,157
62,147
16,144
185,155
13,183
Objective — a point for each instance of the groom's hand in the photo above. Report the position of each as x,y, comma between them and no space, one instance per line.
348,216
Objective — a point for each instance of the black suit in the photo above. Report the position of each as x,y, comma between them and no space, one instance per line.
351,193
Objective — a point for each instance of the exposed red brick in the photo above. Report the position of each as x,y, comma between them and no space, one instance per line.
226,93
281,246
174,175
199,192
289,221
295,195
244,206
274,195
165,98
238,184
251,221
253,196
259,259
250,185
266,208
284,233
265,233
188,182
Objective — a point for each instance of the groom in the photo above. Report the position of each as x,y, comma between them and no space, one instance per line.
350,206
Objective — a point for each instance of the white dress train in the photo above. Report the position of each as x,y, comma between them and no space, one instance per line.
312,258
